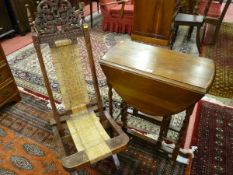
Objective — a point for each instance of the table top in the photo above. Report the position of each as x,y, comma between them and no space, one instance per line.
190,72
155,80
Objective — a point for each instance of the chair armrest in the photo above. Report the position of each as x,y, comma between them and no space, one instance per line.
115,2
122,2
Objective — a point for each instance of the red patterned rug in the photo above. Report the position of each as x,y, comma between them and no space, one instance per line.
20,155
222,55
28,118
141,159
214,140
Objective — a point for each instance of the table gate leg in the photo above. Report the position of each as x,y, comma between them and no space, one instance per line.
163,130
183,131
124,115
110,99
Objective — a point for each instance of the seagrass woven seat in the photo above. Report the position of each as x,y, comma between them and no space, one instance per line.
58,25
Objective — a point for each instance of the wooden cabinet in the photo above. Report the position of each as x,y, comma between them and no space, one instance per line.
19,16
153,20
8,89
5,21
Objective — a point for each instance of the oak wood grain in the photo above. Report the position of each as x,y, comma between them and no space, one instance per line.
155,80
8,89
153,19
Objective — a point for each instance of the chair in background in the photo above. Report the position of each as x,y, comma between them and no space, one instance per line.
87,121
91,8
117,15
214,10
215,16
190,20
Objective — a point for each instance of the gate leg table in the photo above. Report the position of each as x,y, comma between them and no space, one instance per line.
157,82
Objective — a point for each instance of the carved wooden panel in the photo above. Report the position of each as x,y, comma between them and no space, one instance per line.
57,19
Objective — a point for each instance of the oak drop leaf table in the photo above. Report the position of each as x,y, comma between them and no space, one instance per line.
157,82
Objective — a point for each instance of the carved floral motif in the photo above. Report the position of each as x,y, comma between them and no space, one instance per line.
55,17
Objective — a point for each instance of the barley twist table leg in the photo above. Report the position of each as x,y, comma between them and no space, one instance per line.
124,115
163,130
110,99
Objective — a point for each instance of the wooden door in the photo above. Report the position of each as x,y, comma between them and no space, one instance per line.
163,16
144,17
152,20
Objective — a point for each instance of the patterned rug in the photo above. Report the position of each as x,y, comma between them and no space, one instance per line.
20,155
214,140
26,71
25,67
141,159
221,53
28,119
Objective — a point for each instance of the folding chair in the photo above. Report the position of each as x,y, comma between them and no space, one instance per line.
58,25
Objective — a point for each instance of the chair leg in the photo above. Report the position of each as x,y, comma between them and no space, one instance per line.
204,32
198,39
173,38
217,28
190,32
